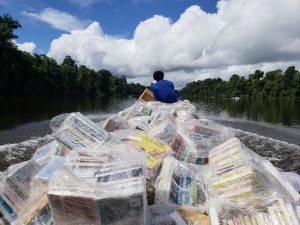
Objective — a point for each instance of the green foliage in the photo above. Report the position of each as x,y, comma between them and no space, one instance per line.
26,74
7,27
258,85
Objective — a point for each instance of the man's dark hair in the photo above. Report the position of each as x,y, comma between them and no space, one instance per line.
158,75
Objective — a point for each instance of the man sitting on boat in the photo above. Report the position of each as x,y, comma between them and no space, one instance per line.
163,90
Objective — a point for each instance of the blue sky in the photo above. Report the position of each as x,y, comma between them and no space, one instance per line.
189,40
117,17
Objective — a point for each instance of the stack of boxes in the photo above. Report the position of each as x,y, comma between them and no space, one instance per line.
99,186
78,131
92,177
251,190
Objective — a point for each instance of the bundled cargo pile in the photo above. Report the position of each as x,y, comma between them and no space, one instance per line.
152,163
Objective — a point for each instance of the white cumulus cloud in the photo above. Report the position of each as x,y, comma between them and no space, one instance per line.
240,37
26,46
88,3
58,19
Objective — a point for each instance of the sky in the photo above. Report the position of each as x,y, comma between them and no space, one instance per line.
187,39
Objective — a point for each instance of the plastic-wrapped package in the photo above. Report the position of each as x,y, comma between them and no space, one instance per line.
49,169
298,211
181,184
184,149
43,154
36,211
202,136
7,213
184,110
188,216
141,109
100,185
160,215
115,122
293,179
16,189
78,131
156,105
42,217
127,114
57,121
206,134
139,123
154,149
159,117
165,131
137,109
240,176
276,212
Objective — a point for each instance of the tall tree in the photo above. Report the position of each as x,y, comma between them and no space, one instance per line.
7,27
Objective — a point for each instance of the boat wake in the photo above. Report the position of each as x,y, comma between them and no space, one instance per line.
283,155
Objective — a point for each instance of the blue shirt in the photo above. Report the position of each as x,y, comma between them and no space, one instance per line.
163,91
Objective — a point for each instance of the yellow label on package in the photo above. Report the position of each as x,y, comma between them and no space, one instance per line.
193,217
154,149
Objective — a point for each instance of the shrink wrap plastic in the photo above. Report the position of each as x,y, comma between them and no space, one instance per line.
187,216
293,179
99,185
78,131
160,215
181,109
115,122
137,109
181,184
275,212
103,179
141,109
21,202
154,149
203,135
165,131
36,211
139,123
159,117
15,190
57,121
166,215
44,153
245,180
184,148
49,169
184,110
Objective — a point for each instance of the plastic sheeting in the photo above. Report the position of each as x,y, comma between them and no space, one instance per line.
114,123
90,175
100,185
275,212
181,184
154,149
250,185
43,154
78,131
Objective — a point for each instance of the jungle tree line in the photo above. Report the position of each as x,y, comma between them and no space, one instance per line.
24,74
258,85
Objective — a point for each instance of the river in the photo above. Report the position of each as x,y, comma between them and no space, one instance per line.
270,127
